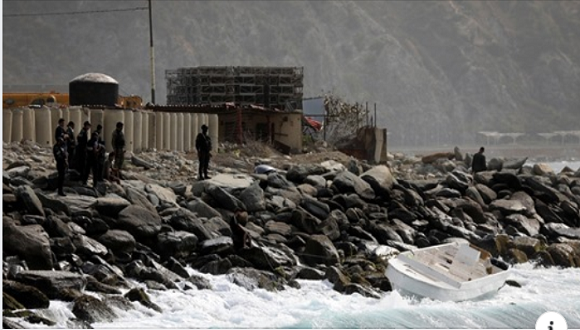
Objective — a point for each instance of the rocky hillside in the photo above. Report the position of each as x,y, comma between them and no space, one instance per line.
438,70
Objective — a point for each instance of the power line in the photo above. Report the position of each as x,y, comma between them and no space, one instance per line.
76,12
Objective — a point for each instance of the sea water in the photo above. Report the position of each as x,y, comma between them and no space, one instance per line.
317,305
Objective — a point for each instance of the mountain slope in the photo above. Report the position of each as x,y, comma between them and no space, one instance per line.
439,71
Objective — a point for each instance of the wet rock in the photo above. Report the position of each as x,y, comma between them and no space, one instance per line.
562,254
217,245
250,279
51,282
28,296
118,241
225,199
86,246
178,244
138,294
200,282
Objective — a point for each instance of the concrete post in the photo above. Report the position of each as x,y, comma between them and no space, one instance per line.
7,125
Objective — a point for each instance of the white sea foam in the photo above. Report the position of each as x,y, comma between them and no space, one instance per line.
316,305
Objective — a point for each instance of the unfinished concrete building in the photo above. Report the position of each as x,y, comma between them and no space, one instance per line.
269,87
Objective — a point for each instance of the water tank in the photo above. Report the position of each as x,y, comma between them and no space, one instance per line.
93,89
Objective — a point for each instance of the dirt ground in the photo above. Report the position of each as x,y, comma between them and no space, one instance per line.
234,155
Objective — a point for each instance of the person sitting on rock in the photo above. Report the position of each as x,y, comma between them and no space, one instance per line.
110,173
240,236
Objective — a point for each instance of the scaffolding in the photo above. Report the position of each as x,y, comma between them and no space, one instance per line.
270,87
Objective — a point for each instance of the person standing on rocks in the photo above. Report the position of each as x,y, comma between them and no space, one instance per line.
118,144
81,150
478,164
203,146
70,143
60,155
94,151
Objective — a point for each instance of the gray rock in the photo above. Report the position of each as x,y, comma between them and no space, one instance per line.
140,162
202,209
138,294
253,198
18,171
164,194
486,193
30,200
31,243
317,181
118,241
111,206
507,206
184,219
528,226
90,309
277,180
54,204
28,296
278,227
318,209
178,244
217,245
251,279
139,221
298,173
137,197
320,250
225,199
560,229
86,246
52,282
346,182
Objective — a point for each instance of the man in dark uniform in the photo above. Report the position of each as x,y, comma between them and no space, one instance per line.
60,130
203,146
81,151
94,150
478,164
118,144
70,143
60,155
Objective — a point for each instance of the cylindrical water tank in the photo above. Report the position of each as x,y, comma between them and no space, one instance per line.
173,131
43,126
166,131
213,131
159,127
180,134
65,114
187,132
28,132
195,128
86,116
128,129
145,130
76,117
17,124
93,89
112,117
7,125
137,130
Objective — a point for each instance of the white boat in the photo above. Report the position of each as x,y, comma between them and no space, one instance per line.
449,272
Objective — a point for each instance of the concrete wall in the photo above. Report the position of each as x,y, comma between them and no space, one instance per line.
144,130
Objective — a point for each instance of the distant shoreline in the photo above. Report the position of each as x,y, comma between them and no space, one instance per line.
535,153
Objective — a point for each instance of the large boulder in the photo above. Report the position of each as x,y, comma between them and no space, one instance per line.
202,209
30,200
253,198
137,197
320,250
52,282
178,244
380,178
91,310
225,199
118,241
139,221
298,173
347,182
30,243
28,296
165,195
184,219
111,206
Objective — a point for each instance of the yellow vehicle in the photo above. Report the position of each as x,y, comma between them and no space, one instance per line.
15,100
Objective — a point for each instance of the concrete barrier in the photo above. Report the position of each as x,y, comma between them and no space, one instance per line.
137,130
112,117
128,130
213,131
7,125
166,131
180,133
43,134
187,132
17,124
28,128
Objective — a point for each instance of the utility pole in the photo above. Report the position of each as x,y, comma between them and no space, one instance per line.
152,53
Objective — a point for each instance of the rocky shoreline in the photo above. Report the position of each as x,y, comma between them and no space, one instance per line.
339,221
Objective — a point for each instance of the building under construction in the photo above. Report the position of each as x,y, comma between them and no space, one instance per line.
269,87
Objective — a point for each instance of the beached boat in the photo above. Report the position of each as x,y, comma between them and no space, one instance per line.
449,272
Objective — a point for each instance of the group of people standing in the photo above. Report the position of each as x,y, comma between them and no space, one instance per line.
87,154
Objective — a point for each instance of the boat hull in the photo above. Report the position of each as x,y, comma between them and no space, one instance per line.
408,279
